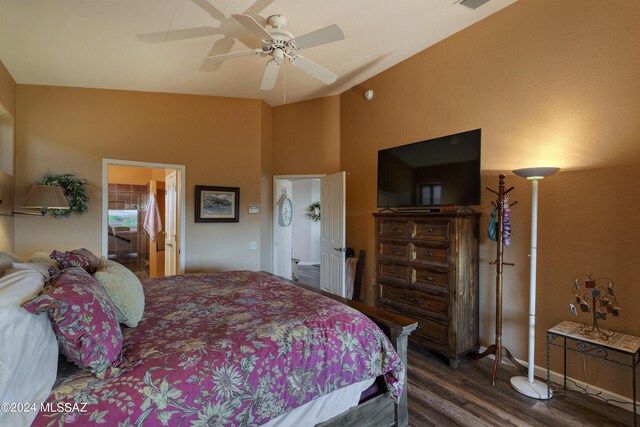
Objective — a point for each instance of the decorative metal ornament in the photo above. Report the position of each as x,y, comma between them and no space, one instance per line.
596,297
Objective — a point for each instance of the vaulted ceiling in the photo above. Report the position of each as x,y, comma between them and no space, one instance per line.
160,45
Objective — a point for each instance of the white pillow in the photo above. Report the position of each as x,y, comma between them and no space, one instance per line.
125,291
43,257
29,356
40,267
19,286
13,257
5,263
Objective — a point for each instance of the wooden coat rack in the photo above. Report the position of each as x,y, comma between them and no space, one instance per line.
497,348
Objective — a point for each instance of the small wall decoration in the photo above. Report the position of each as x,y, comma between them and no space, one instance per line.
217,204
594,296
313,211
73,190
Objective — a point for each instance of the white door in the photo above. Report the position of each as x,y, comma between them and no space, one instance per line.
332,226
170,218
282,233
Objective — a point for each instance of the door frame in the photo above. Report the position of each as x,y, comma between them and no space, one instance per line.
181,202
274,222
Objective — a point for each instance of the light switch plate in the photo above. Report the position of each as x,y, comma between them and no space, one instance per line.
254,209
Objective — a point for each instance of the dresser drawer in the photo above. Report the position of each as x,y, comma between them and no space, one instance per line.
395,251
428,254
431,230
431,279
429,304
394,272
432,331
394,229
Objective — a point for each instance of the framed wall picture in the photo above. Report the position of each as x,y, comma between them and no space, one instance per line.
217,204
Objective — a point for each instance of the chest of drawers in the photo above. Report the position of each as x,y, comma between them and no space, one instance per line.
427,269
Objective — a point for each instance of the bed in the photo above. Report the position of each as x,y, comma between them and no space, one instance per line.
243,348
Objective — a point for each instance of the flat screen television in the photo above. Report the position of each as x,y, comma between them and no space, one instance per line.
436,172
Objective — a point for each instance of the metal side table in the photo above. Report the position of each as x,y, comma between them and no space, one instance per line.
620,349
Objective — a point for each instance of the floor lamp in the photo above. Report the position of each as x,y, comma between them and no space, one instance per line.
529,386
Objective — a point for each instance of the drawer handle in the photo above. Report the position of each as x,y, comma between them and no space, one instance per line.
429,254
429,230
430,278
394,228
392,272
410,299
394,250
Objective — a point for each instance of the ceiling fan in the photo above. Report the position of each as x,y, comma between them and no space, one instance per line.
280,44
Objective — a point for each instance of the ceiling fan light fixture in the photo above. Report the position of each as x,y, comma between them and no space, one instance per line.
280,43
278,55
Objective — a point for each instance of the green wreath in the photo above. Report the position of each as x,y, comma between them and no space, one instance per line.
313,211
73,190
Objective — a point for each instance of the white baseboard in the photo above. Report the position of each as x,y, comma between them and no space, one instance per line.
557,378
308,262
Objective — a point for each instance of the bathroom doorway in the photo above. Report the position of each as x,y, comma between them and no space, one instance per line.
143,225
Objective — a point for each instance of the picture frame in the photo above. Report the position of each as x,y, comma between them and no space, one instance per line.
217,204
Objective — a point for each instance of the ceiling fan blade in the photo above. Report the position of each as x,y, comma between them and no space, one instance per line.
253,26
210,9
313,69
270,75
258,7
330,34
175,35
232,55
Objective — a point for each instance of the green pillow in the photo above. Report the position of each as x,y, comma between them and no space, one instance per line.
125,290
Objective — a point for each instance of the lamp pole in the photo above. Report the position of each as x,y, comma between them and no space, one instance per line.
529,386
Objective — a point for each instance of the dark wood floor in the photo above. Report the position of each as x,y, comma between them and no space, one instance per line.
441,396
309,275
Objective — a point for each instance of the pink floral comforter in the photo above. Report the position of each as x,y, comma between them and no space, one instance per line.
236,348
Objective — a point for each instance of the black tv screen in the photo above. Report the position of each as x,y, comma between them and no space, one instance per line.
436,172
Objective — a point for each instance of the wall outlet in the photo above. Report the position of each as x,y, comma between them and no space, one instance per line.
253,245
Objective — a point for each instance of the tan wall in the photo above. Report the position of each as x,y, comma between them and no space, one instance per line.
7,93
266,183
306,137
72,130
7,115
7,237
551,83
134,175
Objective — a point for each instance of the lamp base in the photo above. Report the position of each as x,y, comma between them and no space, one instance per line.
536,389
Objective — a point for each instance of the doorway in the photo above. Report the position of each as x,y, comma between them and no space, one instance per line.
297,243
143,216
308,251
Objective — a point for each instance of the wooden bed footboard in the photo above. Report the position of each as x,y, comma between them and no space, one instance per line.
380,410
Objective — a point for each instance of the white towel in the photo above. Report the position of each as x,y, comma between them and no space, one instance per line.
350,275
152,220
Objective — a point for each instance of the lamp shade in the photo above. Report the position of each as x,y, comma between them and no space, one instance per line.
45,196
535,173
